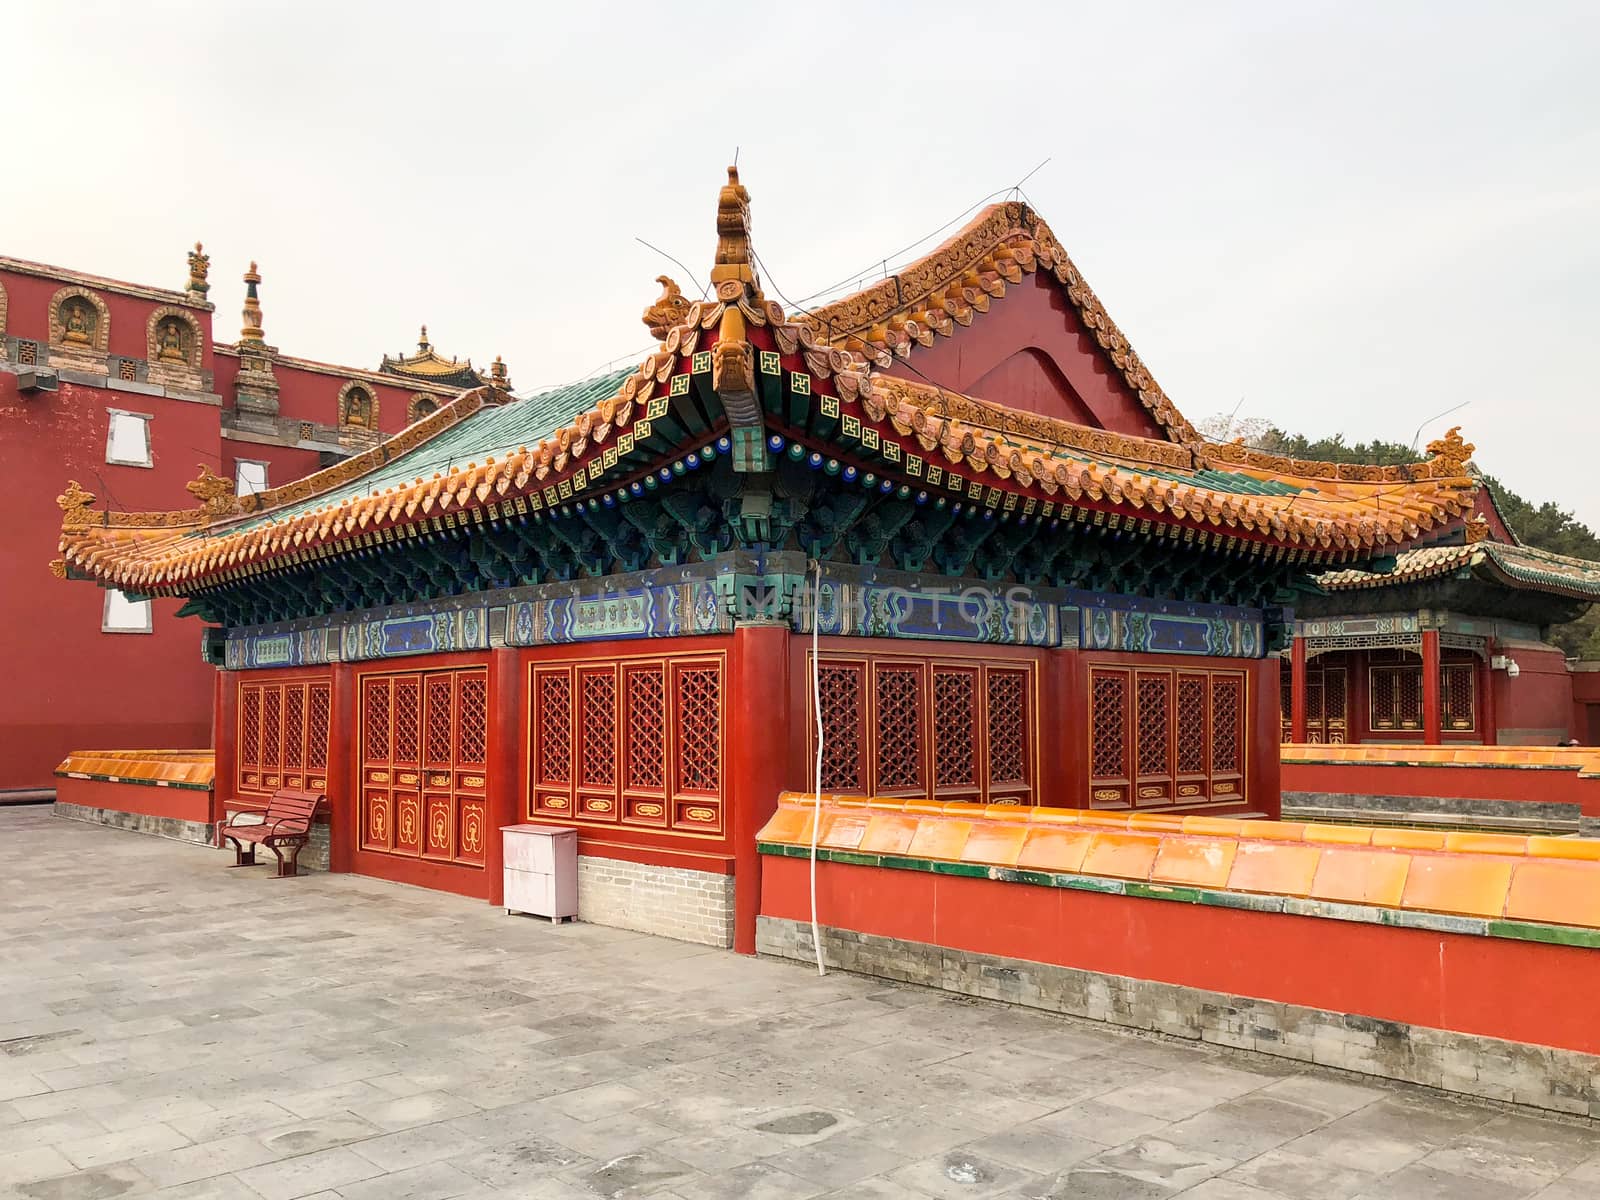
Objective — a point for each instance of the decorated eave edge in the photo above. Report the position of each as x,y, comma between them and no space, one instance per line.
1520,567
911,430
877,415
955,283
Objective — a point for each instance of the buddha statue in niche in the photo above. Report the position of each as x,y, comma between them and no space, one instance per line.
358,409
78,319
169,342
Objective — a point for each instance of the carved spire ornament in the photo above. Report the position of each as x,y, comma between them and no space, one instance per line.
499,376
251,333
669,309
199,268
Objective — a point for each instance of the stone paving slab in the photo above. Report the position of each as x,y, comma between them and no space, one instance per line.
171,1028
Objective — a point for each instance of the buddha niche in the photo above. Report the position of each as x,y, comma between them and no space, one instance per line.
424,407
77,322
358,409
170,347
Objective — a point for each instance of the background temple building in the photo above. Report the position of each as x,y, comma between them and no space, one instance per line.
125,386
1028,579
1448,646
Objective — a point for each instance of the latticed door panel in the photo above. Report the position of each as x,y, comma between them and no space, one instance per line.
271,738
1286,701
377,770
955,733
283,735
1153,740
249,741
1335,705
1396,698
1110,720
1227,736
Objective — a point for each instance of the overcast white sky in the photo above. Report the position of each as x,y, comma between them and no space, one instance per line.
1350,215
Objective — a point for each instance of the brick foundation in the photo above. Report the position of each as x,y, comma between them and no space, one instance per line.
692,906
1538,1076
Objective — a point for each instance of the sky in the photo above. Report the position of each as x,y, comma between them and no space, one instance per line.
1344,217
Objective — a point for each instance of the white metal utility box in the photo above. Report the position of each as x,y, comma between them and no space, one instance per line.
541,870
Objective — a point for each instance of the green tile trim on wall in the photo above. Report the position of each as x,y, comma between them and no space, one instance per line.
1328,910
166,783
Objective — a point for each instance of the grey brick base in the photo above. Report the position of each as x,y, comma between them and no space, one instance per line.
1537,1076
314,857
692,906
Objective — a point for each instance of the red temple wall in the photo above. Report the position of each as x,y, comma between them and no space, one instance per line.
28,316
73,686
1030,351
1437,980
1535,708
182,804
285,464
306,395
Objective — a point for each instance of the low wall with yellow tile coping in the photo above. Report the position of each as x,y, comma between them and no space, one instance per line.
154,768
1503,879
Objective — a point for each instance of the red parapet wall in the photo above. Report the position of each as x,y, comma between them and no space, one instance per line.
1549,775
172,785
1433,979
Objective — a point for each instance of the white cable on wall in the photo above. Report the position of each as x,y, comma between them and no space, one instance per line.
816,704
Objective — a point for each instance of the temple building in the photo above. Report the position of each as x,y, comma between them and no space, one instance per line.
1028,581
125,385
1448,646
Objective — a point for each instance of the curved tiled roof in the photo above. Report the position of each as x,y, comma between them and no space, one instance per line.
1514,566
481,450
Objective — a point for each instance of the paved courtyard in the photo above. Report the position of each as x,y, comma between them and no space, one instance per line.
172,1028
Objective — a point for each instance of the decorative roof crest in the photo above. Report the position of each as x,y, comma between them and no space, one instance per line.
199,267
733,237
76,505
214,493
1450,452
670,309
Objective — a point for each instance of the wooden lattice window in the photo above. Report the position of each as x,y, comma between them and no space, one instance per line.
636,743
1396,697
897,728
1457,696
951,728
283,735
1159,736
844,760
424,752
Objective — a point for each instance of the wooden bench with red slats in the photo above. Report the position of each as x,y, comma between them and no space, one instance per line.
285,825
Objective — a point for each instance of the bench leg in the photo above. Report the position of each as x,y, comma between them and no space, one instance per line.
289,867
241,856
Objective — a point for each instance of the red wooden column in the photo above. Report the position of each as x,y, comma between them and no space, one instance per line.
1064,753
1264,747
1485,713
224,729
344,775
1297,691
759,718
505,758
1432,724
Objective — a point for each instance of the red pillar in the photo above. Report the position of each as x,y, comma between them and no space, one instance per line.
758,717
505,759
1297,692
1485,714
1064,764
1432,727
224,721
1264,749
344,776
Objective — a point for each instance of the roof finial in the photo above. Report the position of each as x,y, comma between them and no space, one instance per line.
733,235
422,341
498,374
250,332
199,265
669,309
